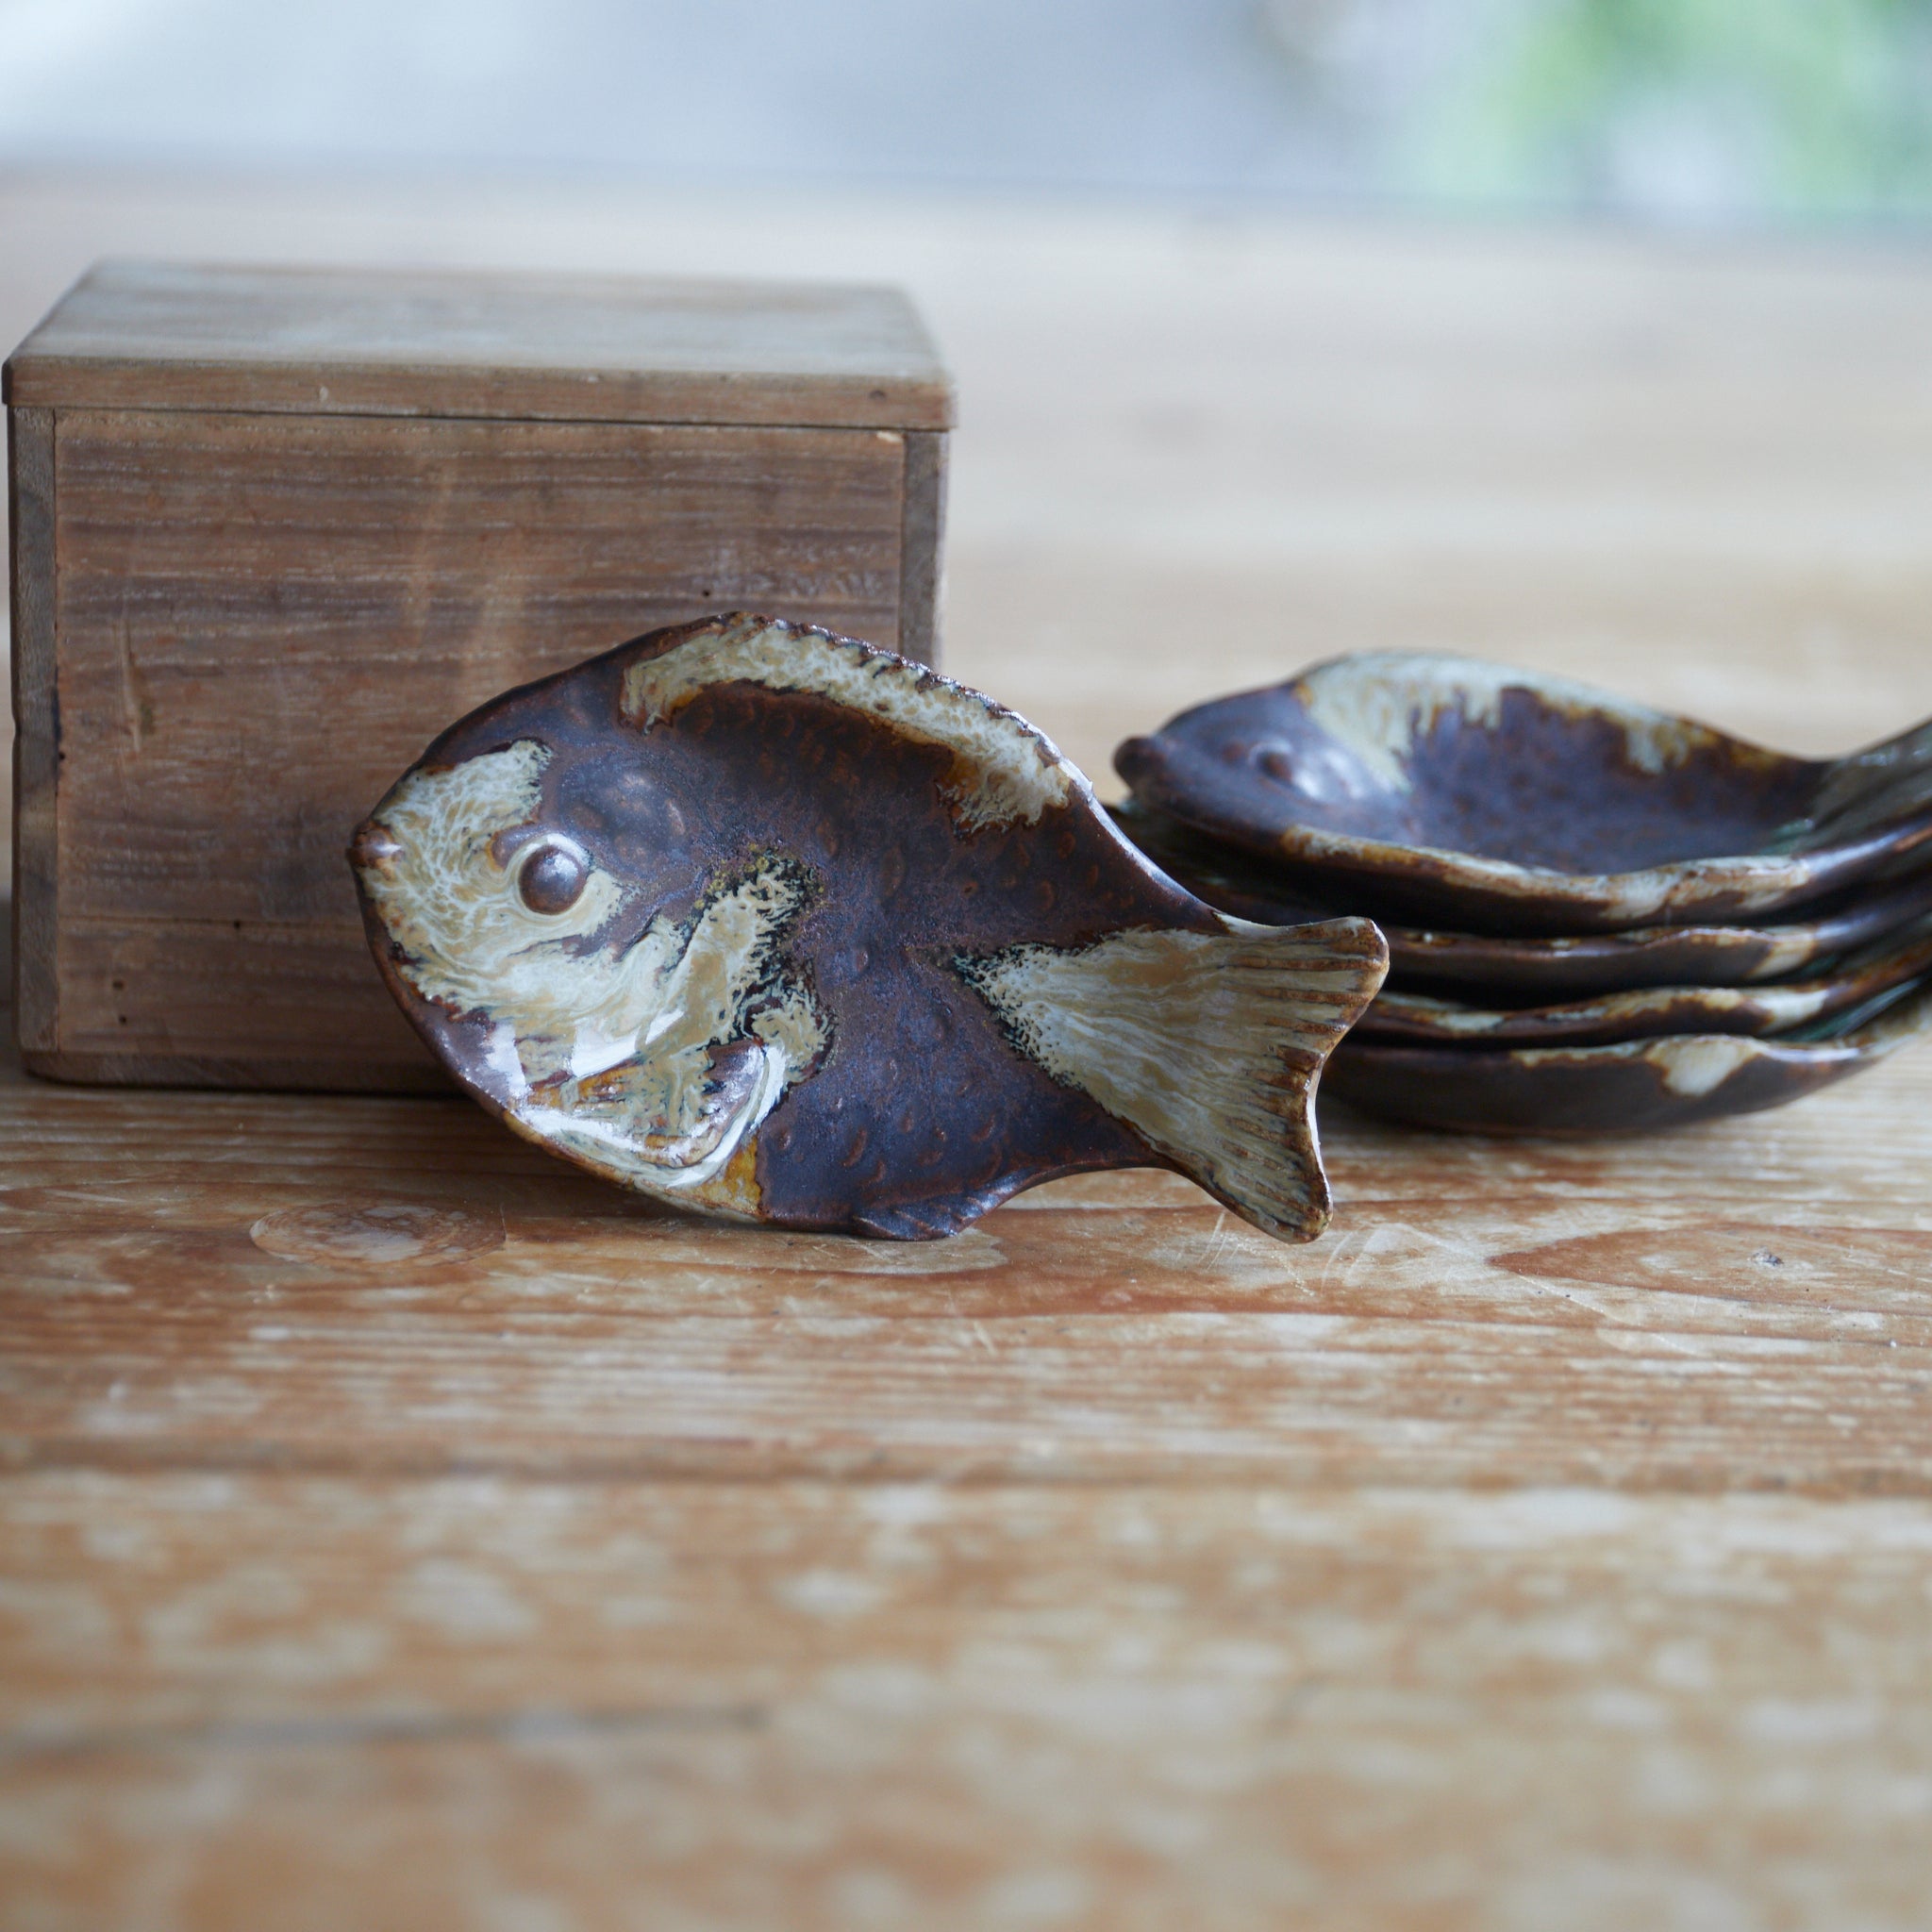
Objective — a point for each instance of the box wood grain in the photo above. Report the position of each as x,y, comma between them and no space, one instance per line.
236,625
36,726
329,341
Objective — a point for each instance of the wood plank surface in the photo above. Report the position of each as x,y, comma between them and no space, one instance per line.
397,1530
822,1705
444,1301
402,1526
318,341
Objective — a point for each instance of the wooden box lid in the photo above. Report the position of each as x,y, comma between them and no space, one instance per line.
143,335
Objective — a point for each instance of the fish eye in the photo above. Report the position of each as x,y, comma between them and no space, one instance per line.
552,876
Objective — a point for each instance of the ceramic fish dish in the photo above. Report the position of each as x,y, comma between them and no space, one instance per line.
1635,1087
1648,1012
1653,956
778,927
1503,801
1515,969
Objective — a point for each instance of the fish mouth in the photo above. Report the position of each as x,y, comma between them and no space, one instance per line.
374,846
741,1084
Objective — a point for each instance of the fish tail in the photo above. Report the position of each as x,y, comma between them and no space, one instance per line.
1209,1045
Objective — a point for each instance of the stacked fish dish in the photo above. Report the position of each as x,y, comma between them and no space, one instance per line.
1601,919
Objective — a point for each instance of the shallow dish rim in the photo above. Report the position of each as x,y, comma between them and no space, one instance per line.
1675,892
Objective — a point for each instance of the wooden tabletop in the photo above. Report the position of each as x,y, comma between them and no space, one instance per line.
401,1531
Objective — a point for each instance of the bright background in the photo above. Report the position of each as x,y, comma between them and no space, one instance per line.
1589,334
1679,109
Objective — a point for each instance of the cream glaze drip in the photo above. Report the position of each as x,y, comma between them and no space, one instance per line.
603,1052
1003,772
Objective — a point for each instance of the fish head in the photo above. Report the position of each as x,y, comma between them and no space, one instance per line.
491,903
575,953
531,837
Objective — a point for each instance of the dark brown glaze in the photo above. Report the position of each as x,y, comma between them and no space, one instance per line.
1226,876
935,1119
1652,1012
920,1113
1633,1087
1515,972
1513,804
1654,956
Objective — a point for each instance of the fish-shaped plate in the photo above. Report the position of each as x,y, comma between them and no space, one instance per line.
1504,801
1652,1011
1516,971
1636,1087
774,925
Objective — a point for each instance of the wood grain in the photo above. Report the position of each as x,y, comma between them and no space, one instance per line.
219,1002
1544,1332
264,619
922,547
820,1706
398,1521
30,457
138,335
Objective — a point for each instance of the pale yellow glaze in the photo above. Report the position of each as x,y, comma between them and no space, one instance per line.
604,1054
1003,772
1208,1043
1378,704
1778,1005
1697,1063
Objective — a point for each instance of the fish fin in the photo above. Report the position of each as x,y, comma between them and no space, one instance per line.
1209,1045
1002,770
918,1221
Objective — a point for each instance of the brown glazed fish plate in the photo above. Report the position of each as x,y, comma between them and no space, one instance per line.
1503,801
1574,967
777,926
1635,1087
1650,1013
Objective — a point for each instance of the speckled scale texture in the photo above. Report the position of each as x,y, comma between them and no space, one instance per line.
909,1121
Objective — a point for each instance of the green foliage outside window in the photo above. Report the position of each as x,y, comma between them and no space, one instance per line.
1780,106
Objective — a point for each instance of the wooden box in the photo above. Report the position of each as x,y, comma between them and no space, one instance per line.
272,530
